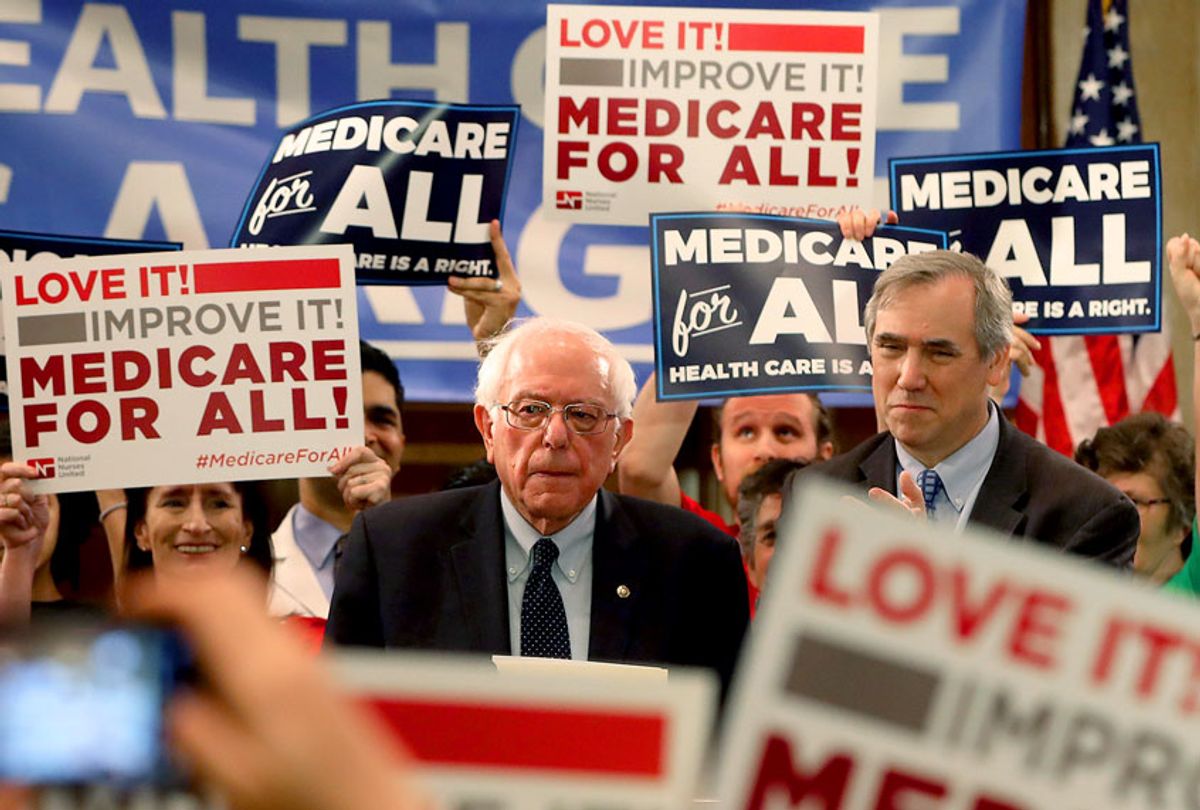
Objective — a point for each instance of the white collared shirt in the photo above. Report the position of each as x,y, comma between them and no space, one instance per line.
572,571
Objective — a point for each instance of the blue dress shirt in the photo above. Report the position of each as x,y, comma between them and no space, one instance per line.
317,539
962,472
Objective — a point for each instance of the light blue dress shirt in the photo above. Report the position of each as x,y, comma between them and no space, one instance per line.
317,539
572,571
962,472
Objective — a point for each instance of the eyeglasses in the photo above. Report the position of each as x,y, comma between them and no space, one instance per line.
1139,503
580,417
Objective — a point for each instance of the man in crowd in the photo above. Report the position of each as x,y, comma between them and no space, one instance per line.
760,505
544,562
939,326
306,541
750,431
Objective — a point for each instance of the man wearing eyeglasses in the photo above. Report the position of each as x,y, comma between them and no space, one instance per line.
545,562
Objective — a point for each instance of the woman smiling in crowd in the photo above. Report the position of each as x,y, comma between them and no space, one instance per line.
185,530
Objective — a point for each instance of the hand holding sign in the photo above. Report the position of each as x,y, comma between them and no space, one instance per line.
1183,252
490,303
860,223
363,478
24,516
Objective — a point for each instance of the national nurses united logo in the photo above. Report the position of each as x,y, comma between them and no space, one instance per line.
569,200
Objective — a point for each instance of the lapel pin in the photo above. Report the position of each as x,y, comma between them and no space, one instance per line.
623,591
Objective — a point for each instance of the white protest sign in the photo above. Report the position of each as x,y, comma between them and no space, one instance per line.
163,368
897,665
509,741
652,109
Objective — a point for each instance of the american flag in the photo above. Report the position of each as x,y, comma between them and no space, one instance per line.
1084,383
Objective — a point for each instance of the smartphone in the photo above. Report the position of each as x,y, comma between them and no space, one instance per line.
82,699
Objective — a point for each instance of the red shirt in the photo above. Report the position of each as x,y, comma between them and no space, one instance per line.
688,505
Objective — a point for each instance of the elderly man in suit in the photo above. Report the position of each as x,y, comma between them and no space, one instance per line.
939,326
545,562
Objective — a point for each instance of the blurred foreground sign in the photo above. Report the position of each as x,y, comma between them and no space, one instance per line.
503,741
895,665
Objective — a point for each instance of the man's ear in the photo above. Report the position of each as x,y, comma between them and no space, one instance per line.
624,436
717,463
998,367
825,451
484,424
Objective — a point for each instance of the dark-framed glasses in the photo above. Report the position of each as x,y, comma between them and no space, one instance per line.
582,418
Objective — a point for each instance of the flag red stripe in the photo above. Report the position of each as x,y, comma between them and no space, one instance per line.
276,274
1054,417
1163,396
796,38
1104,352
548,739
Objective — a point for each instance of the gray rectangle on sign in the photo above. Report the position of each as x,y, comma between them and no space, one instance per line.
47,330
862,683
591,72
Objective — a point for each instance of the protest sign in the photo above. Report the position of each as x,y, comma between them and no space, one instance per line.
751,304
19,246
411,185
676,109
1077,232
155,368
895,664
519,741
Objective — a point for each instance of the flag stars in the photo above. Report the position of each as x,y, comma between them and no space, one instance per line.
1122,93
1078,122
1126,130
1113,20
1102,138
1117,57
1090,88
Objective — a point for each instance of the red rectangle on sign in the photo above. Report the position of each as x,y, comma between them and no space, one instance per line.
796,38
546,739
278,274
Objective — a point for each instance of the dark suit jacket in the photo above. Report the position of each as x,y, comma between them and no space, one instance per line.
427,573
1030,491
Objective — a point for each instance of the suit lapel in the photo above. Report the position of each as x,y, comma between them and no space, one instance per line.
617,567
1004,486
879,467
478,562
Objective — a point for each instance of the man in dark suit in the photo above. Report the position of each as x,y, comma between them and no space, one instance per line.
544,562
939,326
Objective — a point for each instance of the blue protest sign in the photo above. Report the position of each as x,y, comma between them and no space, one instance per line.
1077,232
752,304
411,185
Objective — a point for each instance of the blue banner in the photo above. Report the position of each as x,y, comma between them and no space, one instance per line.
411,185
152,119
755,304
1077,232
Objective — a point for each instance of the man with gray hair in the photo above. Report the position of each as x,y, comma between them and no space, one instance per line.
545,562
939,327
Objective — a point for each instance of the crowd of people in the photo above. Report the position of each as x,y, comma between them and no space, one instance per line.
541,559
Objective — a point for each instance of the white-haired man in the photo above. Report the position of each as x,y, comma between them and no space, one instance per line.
545,562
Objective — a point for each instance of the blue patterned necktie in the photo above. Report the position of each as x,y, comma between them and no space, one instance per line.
931,484
543,618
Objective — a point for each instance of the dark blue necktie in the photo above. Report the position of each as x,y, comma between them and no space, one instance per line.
543,618
930,483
